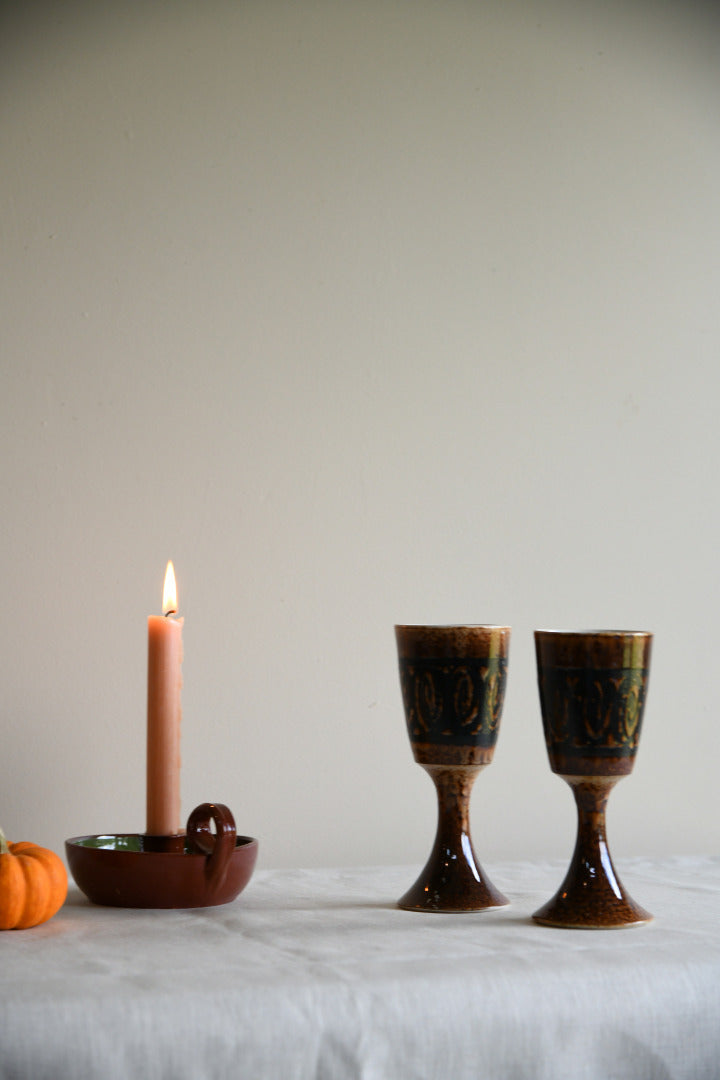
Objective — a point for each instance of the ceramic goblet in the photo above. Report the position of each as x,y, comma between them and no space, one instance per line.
592,695
453,685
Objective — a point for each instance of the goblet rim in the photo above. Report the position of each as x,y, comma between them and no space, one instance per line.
597,633
452,626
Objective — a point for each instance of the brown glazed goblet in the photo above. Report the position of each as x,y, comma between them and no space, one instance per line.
592,695
453,685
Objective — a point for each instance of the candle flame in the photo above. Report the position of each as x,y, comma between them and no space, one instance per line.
170,604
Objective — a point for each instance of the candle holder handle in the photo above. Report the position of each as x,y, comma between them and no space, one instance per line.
218,846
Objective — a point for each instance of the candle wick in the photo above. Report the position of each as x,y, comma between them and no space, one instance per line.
172,611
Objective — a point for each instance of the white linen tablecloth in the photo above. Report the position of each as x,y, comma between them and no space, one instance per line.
316,975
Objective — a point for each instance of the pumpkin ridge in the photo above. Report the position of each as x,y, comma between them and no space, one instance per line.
12,892
37,889
56,876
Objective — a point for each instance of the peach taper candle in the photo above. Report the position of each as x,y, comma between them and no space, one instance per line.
164,714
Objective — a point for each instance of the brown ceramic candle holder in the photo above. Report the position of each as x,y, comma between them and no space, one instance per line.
199,869
453,685
592,695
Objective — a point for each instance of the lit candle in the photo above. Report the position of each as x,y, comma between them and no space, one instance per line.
164,713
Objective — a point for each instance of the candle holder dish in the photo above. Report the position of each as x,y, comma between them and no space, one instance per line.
197,869
453,686
592,696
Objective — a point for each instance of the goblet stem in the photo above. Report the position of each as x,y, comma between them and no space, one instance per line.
592,896
452,879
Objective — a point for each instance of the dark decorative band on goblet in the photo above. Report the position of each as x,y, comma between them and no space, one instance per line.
592,713
453,702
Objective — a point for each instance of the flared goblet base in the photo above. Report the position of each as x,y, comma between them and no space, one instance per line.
452,879
591,897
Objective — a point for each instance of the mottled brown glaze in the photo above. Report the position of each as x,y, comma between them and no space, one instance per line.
438,642
592,896
453,685
138,871
429,754
594,649
592,688
452,879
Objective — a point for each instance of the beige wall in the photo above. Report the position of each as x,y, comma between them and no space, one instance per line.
362,313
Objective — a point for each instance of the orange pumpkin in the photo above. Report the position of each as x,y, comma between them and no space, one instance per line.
33,884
